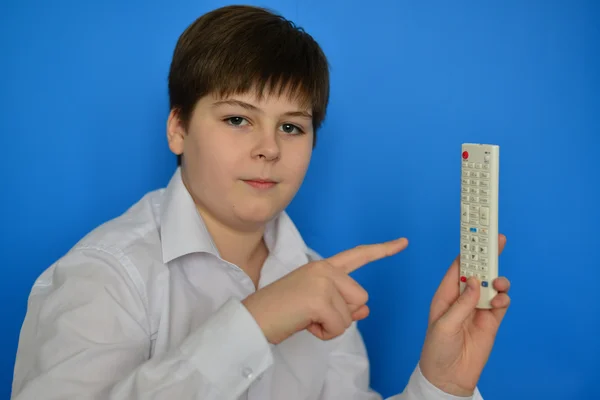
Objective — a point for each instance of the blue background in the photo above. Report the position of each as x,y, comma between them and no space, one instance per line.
83,105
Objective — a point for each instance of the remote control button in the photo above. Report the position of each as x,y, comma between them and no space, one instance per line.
465,212
484,284
474,230
484,214
486,166
474,239
465,246
471,165
463,279
486,158
465,181
482,250
465,154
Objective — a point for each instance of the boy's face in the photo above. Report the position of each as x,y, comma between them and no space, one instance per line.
244,158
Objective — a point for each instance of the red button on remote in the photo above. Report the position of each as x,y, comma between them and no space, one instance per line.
463,278
465,154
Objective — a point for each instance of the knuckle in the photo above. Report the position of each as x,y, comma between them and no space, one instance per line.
322,267
319,291
337,330
364,296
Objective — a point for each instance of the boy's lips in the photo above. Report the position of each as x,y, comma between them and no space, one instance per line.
260,183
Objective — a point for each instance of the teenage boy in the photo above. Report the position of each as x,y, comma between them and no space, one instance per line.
205,289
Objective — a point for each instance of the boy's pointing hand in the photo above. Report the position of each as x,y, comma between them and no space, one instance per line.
319,296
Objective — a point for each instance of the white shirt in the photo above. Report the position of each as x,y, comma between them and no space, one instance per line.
143,307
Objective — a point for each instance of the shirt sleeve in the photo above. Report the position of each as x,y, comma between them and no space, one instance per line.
348,376
86,335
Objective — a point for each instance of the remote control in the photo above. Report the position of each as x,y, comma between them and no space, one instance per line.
479,218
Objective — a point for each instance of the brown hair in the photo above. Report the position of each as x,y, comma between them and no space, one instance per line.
235,49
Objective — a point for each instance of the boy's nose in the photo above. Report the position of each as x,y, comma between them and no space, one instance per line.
267,147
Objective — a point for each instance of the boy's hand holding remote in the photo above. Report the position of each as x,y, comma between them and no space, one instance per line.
460,336
319,296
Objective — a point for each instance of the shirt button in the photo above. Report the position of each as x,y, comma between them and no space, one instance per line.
247,372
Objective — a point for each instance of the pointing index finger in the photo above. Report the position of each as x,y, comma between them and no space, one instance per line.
352,259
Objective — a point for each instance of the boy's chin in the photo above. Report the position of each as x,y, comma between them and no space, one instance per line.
257,215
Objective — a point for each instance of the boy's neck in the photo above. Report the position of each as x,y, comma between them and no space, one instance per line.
246,249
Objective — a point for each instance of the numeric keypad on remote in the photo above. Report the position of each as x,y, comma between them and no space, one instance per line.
475,218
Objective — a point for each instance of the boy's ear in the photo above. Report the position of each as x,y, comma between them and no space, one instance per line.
175,132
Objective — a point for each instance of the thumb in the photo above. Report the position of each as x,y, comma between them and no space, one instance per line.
464,305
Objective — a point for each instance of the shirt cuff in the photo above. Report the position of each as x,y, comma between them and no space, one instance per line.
424,389
229,349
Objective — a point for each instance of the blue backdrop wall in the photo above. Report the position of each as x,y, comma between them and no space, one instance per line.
83,104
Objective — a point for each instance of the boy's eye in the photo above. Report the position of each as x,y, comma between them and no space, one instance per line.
236,121
289,128
286,128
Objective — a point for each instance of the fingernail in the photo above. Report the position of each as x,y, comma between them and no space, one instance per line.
402,240
471,284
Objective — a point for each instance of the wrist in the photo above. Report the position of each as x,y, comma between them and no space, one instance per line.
248,302
445,384
453,389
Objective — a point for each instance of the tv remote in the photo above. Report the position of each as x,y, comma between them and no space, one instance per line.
479,218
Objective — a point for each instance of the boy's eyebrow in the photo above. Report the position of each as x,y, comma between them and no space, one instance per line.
248,106
303,114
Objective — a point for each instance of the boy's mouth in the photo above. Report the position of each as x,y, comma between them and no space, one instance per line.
260,183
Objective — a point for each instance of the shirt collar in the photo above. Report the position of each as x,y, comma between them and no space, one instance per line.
183,231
